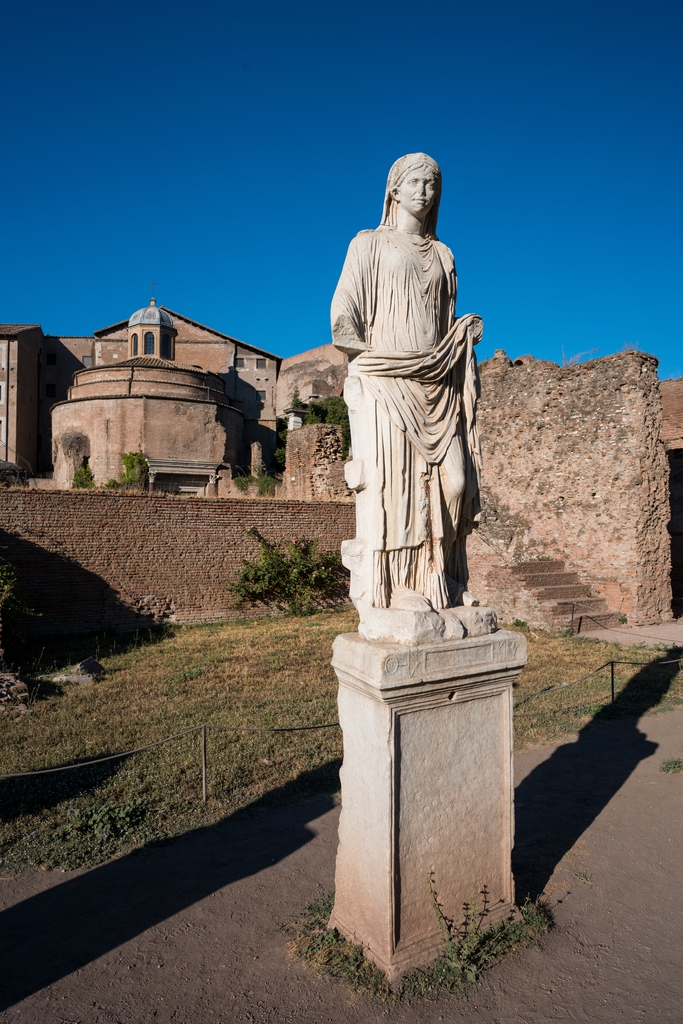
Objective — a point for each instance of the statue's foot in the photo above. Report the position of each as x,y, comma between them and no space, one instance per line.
469,600
410,601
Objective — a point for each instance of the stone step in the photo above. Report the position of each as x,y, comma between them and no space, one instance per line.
572,591
537,566
550,579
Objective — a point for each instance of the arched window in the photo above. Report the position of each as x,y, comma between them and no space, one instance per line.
149,344
134,341
165,346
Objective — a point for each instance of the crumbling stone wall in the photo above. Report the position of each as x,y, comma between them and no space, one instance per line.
314,470
574,469
102,560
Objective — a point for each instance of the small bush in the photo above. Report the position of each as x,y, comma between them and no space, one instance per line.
243,480
520,623
290,574
267,486
671,765
331,410
83,477
135,469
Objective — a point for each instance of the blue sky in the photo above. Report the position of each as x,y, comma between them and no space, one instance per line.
231,151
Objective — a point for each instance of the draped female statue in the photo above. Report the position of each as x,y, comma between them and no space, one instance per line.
411,391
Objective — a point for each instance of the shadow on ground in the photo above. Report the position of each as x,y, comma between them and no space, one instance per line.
64,928
558,800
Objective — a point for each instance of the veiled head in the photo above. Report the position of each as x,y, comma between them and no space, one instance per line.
412,163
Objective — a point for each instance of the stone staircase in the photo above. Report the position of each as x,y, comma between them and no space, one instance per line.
562,596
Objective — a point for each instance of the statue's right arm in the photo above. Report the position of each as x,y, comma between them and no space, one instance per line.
348,313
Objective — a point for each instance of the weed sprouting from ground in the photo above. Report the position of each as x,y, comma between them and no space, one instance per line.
671,765
468,951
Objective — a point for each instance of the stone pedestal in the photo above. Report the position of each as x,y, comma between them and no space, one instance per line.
427,789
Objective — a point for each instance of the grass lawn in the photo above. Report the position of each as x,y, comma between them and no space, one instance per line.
273,672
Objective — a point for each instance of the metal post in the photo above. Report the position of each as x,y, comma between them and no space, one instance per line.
611,672
204,764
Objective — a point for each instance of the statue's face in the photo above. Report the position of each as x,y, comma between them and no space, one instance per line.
417,192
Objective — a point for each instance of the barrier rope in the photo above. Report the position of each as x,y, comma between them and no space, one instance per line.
168,739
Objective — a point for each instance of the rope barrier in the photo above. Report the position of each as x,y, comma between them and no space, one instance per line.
608,664
168,739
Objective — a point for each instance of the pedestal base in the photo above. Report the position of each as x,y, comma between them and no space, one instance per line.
427,790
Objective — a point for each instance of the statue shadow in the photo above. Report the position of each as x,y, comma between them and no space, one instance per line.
58,931
560,798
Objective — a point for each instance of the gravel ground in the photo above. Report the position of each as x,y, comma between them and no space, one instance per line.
189,932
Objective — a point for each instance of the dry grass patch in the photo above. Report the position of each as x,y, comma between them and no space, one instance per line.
555,659
272,672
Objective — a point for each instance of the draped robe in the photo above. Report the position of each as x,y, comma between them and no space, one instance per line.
417,388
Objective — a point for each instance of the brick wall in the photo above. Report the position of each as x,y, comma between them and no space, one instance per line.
574,469
672,410
93,561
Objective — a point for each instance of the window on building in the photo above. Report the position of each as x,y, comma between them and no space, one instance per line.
87,360
239,363
51,359
149,344
2,393
261,395
50,391
165,346
3,352
134,340
260,364
3,435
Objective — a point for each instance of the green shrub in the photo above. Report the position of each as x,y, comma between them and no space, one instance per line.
243,480
290,574
295,402
267,486
135,468
83,477
11,608
280,454
331,410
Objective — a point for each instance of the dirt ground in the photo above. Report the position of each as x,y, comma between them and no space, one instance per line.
189,932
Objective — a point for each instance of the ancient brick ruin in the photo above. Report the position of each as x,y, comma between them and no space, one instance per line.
314,469
575,491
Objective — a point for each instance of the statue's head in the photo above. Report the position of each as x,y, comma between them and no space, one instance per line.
414,180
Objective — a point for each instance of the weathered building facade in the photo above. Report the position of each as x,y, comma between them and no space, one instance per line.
37,369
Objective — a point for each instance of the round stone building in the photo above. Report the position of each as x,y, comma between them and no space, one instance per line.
178,416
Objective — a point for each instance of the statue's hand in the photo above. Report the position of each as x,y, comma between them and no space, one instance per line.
345,338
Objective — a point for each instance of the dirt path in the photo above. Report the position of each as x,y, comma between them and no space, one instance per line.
188,932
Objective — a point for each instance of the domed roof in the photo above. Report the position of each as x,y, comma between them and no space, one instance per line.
151,314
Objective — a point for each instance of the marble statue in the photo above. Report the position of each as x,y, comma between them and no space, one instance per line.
412,393
425,685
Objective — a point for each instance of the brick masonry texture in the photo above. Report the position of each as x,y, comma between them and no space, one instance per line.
314,468
574,469
672,410
108,561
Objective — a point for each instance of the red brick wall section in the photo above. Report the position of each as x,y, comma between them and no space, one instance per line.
95,561
672,410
